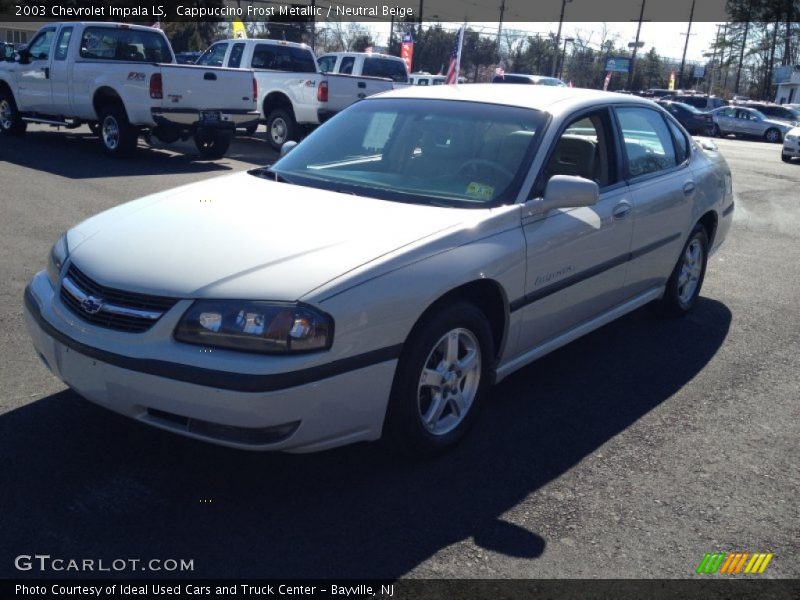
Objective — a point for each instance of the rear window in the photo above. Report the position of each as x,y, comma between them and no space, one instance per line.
385,67
125,44
283,58
511,79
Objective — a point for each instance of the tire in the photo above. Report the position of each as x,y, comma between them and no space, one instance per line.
419,420
686,280
117,136
11,122
281,128
212,144
786,158
714,131
94,127
251,130
773,136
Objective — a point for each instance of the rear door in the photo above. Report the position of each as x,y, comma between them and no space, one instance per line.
60,79
34,92
662,186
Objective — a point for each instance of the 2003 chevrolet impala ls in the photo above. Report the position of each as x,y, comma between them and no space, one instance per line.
379,277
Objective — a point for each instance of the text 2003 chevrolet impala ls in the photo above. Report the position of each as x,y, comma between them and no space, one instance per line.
379,277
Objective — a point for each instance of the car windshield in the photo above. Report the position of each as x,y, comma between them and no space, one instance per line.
422,151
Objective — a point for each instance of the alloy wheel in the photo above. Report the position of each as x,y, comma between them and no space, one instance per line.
110,132
691,268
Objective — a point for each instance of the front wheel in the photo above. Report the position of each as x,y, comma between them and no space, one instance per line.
441,378
714,131
11,122
683,286
786,158
212,144
281,127
773,136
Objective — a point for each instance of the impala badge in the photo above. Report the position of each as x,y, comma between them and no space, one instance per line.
91,305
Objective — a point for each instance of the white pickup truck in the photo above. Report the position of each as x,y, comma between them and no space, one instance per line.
121,80
351,76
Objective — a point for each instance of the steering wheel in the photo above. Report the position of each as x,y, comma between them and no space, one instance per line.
482,162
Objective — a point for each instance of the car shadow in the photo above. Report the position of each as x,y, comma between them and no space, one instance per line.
81,482
76,154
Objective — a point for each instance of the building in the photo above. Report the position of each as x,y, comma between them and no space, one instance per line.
787,78
18,32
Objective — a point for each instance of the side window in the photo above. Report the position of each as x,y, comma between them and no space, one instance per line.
263,57
647,141
63,43
582,150
682,147
41,45
235,59
326,64
346,68
214,56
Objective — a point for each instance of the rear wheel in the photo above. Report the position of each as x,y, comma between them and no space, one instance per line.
683,286
441,379
714,131
281,127
212,144
11,122
773,136
117,136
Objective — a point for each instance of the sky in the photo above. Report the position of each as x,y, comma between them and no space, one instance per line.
666,37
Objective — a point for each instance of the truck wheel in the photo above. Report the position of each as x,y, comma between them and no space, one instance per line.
117,136
212,144
281,127
10,121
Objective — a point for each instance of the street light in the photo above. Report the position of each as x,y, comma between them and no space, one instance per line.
558,37
564,56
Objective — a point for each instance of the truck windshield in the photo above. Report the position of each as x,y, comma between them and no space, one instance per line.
112,43
454,153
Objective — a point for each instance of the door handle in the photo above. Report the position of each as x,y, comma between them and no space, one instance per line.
46,72
688,187
210,77
362,84
362,95
622,210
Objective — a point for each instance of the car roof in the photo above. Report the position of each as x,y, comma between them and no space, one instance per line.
555,100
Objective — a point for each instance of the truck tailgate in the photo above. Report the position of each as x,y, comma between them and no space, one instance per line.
207,88
344,90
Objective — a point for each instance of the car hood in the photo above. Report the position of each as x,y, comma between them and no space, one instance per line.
242,236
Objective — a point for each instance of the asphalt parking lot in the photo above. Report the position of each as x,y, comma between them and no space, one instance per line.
629,453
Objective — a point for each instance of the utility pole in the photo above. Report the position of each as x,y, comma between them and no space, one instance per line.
686,46
419,29
558,38
500,23
635,47
391,36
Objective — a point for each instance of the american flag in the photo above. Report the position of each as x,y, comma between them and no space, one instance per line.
455,59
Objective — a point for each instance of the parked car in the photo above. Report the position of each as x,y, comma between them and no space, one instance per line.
791,145
121,80
528,79
702,102
428,79
386,271
776,111
287,76
187,58
747,122
656,93
365,64
694,121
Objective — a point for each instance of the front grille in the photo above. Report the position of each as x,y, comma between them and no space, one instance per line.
119,310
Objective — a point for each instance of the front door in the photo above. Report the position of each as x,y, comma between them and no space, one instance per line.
33,78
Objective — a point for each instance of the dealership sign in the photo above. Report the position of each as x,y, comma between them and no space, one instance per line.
618,64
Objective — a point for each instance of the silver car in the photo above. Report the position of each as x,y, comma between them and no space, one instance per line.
378,279
748,122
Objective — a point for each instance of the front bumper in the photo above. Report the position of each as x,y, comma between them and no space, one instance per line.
189,118
791,148
322,414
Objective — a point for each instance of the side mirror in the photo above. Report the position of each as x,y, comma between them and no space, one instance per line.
568,191
8,53
287,147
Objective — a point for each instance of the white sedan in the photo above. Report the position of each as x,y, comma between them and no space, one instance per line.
791,145
380,277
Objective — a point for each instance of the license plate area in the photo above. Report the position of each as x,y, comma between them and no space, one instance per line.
210,116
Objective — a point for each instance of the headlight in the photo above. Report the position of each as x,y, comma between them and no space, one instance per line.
256,326
56,258
791,137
